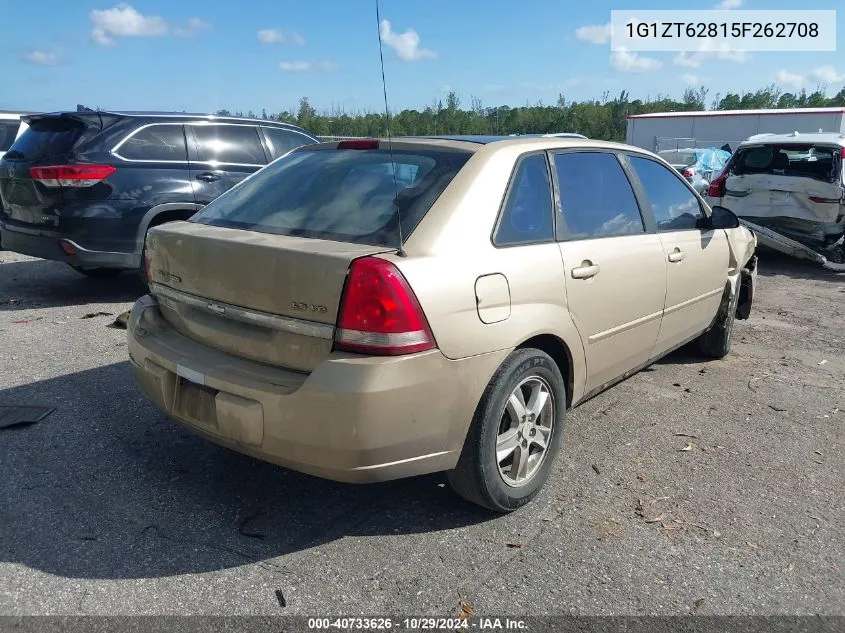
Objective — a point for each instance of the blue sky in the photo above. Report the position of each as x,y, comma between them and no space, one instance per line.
198,55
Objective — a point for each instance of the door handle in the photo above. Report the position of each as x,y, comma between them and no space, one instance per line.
586,270
207,176
676,255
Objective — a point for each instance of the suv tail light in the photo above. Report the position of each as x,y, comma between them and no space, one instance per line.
717,186
71,175
379,313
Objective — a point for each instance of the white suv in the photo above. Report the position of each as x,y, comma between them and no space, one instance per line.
11,127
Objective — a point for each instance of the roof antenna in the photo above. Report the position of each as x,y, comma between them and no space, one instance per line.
401,251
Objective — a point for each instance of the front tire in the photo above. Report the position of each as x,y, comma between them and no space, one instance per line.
716,342
515,433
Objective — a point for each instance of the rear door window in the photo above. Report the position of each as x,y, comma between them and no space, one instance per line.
282,141
46,137
527,216
342,195
675,207
8,132
233,144
596,198
164,143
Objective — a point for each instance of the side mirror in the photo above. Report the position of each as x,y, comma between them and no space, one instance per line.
722,218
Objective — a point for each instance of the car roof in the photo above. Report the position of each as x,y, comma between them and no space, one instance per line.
796,138
173,115
485,139
472,144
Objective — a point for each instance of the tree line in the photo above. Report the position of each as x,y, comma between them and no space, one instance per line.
602,118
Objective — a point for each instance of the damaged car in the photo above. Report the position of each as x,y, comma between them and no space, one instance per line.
788,188
367,310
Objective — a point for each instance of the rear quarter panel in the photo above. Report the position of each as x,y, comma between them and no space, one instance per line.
452,248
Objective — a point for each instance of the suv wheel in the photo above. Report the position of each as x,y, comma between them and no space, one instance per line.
515,433
97,273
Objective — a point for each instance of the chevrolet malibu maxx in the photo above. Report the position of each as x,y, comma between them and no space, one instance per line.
366,310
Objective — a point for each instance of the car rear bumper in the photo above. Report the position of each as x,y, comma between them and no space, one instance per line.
48,245
354,418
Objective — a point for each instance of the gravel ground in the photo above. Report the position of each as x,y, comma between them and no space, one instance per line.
106,507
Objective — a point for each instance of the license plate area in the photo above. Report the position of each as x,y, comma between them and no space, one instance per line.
196,403
778,197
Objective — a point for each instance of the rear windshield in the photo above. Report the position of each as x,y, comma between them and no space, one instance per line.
342,195
46,138
809,161
8,132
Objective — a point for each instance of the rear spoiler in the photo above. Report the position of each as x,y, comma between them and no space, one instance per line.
99,120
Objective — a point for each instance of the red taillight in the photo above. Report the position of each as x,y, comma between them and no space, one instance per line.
359,143
717,186
71,175
686,173
379,313
67,247
148,266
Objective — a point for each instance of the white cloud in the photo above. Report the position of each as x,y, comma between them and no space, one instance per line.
406,45
691,80
445,88
790,79
828,75
729,4
628,62
594,33
297,39
195,25
707,51
270,36
124,21
41,58
304,66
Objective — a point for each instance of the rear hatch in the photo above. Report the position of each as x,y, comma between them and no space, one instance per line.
786,181
260,272
50,140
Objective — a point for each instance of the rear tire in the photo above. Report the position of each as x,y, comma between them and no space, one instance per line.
97,273
716,342
507,456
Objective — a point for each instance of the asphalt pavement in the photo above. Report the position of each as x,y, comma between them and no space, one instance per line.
107,507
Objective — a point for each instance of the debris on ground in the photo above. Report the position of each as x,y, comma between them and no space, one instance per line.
514,545
695,437
92,315
697,605
281,598
688,447
245,531
717,534
596,469
121,321
466,610
23,415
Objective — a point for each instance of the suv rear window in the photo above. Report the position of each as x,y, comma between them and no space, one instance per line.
819,162
8,132
45,138
342,195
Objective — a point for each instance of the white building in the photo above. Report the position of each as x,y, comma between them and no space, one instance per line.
713,128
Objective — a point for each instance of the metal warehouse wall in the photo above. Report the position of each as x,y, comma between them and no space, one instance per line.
659,133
